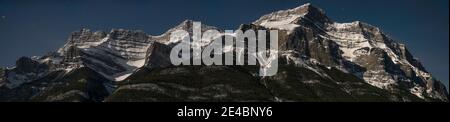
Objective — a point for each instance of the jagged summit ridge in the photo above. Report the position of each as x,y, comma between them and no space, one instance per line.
290,19
116,54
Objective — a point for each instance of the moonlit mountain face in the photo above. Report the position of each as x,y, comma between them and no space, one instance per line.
319,60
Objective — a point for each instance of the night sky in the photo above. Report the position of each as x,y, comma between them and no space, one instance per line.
35,27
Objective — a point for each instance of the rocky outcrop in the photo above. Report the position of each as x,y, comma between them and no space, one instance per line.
2,76
26,70
158,56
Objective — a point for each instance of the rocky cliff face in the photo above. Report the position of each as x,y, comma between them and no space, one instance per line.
2,76
26,70
113,54
356,47
319,59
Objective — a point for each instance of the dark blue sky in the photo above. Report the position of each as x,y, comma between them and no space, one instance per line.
34,27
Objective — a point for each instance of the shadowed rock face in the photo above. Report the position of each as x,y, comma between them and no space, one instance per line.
2,76
319,60
26,70
26,65
158,56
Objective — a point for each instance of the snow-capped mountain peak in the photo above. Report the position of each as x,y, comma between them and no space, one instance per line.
356,47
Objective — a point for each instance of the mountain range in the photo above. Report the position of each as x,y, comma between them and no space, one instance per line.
319,60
